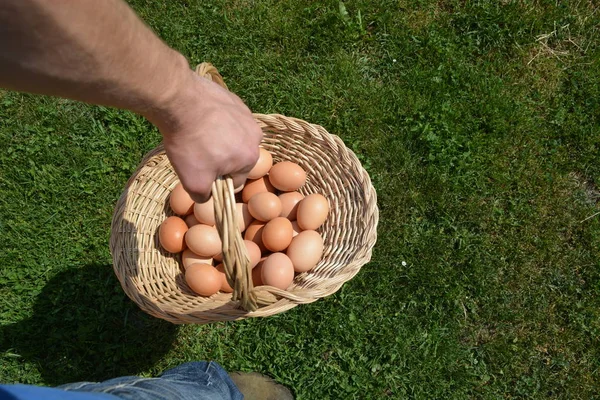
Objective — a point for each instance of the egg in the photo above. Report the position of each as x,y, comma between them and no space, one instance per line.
264,206
171,234
180,201
289,204
254,233
191,220
306,250
262,166
312,211
238,189
244,217
257,273
203,240
205,212
296,228
255,186
277,234
218,257
254,252
277,271
225,286
188,258
203,279
287,176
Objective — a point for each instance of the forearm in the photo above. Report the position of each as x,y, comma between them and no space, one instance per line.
98,51
94,51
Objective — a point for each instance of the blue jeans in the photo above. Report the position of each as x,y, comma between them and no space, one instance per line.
189,381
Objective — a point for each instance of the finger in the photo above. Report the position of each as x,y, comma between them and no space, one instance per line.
238,189
199,190
256,132
253,153
239,179
200,197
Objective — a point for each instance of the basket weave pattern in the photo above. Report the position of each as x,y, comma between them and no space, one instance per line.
153,278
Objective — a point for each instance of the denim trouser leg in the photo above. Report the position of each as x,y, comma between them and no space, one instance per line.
189,381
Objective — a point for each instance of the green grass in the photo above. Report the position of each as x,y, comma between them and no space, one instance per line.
479,124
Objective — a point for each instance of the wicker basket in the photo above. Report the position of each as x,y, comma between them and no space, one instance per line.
154,279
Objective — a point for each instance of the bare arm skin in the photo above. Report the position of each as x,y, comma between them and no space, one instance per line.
100,52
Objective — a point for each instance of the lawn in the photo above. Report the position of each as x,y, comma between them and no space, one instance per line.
479,123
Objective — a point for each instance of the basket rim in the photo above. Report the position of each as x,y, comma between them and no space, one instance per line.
279,300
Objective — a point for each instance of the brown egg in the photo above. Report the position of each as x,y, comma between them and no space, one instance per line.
277,234
254,252
171,234
189,257
203,279
277,271
225,287
262,166
190,220
312,211
218,257
256,186
287,176
203,240
306,250
205,212
296,228
264,206
243,215
180,201
289,204
254,233
257,273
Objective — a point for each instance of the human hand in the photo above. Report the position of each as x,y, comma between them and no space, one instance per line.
208,132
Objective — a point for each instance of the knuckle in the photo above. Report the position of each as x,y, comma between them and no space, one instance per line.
248,161
253,153
257,132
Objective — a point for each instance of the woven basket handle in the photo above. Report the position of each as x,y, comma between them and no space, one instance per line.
235,256
210,72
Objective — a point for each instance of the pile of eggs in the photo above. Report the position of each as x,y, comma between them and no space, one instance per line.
279,226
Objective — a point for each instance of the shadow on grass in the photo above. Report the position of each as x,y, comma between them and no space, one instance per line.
85,328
